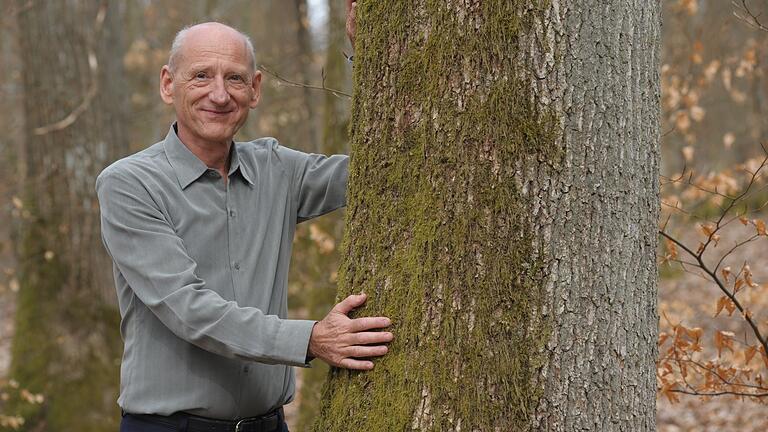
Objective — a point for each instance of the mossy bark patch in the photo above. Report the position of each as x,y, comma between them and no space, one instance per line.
438,233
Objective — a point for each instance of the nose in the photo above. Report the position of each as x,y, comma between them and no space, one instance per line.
219,94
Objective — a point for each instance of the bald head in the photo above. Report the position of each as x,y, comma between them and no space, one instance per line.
204,31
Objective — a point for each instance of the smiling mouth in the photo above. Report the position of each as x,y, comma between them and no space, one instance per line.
216,112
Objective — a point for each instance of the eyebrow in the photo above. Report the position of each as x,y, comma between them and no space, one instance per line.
208,67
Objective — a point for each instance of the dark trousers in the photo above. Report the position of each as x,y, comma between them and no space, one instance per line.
136,424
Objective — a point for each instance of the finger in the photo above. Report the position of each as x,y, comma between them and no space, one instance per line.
349,5
349,363
361,351
349,303
367,338
368,323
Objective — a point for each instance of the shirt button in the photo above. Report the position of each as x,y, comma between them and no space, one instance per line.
213,174
237,266
231,213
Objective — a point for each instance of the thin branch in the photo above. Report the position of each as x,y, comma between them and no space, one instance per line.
721,378
699,275
732,204
732,296
720,393
747,15
731,250
669,131
93,88
337,93
682,262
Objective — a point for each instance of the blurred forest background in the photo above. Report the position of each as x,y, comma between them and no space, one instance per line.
79,87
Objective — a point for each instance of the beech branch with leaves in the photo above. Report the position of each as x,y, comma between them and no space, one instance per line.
732,195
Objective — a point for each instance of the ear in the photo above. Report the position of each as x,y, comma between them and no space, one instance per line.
256,87
166,85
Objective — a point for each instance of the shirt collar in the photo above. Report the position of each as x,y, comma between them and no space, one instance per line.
188,167
235,165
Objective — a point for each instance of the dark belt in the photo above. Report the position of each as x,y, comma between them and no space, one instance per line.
270,422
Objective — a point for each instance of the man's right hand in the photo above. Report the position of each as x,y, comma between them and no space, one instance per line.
341,341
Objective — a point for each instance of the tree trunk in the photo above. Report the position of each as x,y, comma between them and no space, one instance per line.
316,254
281,39
503,212
67,345
11,173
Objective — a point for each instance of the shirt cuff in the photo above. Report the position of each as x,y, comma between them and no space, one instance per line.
296,335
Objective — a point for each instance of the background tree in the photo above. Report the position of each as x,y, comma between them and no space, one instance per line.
67,344
316,255
503,211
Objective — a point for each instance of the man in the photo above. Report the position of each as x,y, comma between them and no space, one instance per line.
200,231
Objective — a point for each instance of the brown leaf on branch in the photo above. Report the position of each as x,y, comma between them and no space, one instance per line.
668,391
672,248
737,285
663,336
700,249
765,358
749,353
707,229
726,272
748,277
760,225
725,303
724,340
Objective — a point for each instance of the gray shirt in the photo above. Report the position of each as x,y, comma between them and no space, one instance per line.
201,268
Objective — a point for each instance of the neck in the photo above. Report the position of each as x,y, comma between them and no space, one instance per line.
214,155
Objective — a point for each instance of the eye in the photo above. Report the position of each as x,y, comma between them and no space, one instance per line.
236,78
201,75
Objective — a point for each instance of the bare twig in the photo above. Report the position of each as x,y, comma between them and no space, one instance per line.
731,250
337,93
719,393
744,13
93,88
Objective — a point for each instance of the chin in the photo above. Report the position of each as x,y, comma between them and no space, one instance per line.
219,133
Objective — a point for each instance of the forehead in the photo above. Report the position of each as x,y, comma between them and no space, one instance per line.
220,45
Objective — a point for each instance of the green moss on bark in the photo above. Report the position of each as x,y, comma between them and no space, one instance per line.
438,233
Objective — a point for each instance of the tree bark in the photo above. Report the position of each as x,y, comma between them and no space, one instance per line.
503,206
67,345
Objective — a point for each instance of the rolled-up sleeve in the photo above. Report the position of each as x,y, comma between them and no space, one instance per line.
155,264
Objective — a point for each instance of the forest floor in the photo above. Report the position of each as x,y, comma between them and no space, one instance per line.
688,299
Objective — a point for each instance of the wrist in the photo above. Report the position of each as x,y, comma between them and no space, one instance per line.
310,353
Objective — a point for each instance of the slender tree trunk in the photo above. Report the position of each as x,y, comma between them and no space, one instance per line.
66,344
316,254
503,211
281,38
11,175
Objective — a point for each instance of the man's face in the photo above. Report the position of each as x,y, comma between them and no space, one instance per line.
213,86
